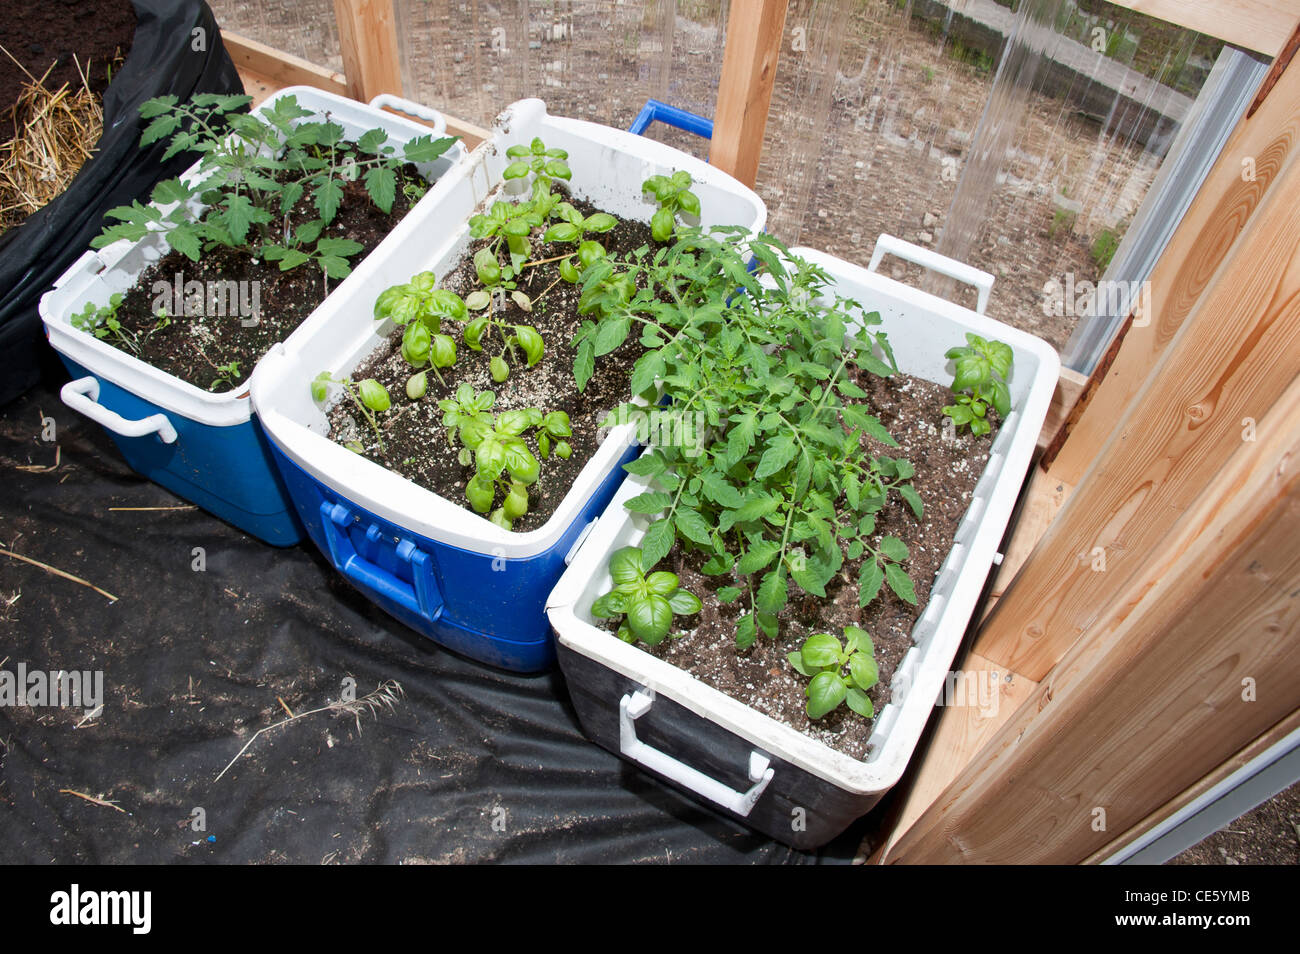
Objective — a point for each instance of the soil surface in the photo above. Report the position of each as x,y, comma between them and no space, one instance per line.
416,445
195,345
62,33
762,677
1266,835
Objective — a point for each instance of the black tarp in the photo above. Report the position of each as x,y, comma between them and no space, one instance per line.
167,57
195,662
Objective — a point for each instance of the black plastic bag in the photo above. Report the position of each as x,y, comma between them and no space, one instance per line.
176,50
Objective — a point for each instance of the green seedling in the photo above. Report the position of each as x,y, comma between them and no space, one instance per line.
575,227
983,367
511,223
787,486
822,658
516,339
421,307
370,398
545,164
227,374
253,173
674,195
645,601
551,434
504,466
102,322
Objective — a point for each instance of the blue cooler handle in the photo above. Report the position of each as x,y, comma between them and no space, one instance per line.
421,596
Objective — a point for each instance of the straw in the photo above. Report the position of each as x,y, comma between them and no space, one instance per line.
52,134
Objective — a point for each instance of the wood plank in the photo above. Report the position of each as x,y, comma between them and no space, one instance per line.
276,69
1155,697
1248,754
962,731
368,42
264,70
1069,388
754,31
469,133
1246,169
1043,501
1230,362
1259,25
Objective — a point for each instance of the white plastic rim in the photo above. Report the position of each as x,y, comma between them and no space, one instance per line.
608,166
921,328
98,274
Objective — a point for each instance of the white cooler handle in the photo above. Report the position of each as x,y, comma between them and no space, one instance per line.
919,255
412,109
632,707
81,395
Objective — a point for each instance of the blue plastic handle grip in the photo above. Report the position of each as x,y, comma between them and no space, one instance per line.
421,596
655,111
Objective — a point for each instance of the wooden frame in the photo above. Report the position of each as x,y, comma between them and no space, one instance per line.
1104,672
1260,25
754,31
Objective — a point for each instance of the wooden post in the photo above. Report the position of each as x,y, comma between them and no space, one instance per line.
754,31
1174,678
1245,170
368,42
1228,364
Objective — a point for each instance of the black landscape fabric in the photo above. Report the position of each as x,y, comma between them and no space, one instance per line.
167,57
469,765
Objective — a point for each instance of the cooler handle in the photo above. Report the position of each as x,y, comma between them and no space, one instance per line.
637,704
927,258
421,596
418,110
82,395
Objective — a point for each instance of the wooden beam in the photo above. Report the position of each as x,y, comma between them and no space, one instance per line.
1173,678
1228,364
368,42
279,69
1246,169
962,731
1070,386
754,31
1202,785
1259,25
264,70
1044,499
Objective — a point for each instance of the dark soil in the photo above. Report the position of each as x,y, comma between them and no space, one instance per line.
1266,835
39,33
193,346
416,444
762,677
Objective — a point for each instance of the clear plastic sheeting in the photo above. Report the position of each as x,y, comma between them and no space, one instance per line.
1022,138
305,28
598,60
1021,141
